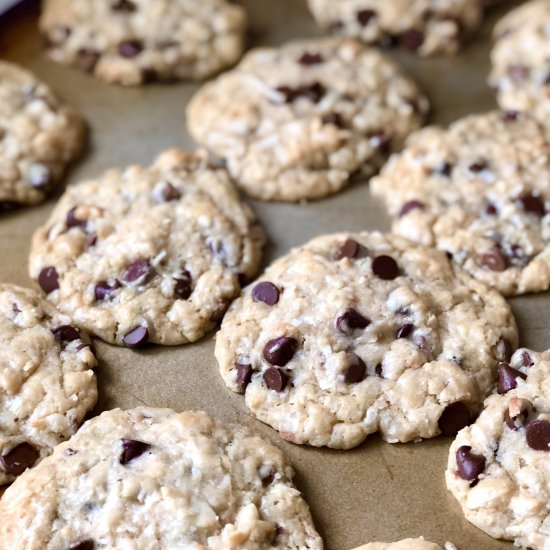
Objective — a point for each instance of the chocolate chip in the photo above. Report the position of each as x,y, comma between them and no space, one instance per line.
66,333
132,449
385,267
493,259
105,291
455,417
349,249
526,359
356,371
491,210
510,116
532,204
411,205
87,59
265,292
83,545
124,5
518,72
219,311
411,40
136,338
137,271
70,452
478,167
444,169
72,220
537,434
130,48
351,320
470,465
404,330
507,378
244,279
309,58
279,351
91,239
515,422
39,175
314,92
333,119
170,193
380,140
16,461
48,279
364,16
275,379
378,370
268,479
182,286
504,350
244,375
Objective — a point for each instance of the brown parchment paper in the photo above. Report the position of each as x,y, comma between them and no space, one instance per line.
376,492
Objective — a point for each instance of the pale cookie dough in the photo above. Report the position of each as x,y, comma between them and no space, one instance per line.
499,467
356,333
406,544
39,137
155,479
148,254
298,122
46,380
423,26
479,190
520,59
131,42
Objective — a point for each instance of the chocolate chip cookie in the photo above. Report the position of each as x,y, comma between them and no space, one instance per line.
480,191
46,380
352,334
148,254
302,120
406,544
422,26
39,137
132,42
153,478
520,59
498,467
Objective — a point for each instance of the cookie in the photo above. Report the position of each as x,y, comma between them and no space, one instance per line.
498,468
132,42
298,122
352,334
46,380
406,544
425,27
480,191
148,254
153,478
39,137
520,60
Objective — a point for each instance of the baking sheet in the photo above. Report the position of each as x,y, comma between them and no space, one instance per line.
376,492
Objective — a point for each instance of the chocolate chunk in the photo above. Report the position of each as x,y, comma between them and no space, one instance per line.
182,286
532,204
132,449
385,267
48,279
356,371
137,271
39,175
364,16
130,48
518,72
244,375
404,330
84,545
526,359
349,249
275,379
351,320
411,205
455,417
265,292
537,434
16,461
105,291
470,466
66,333
411,40
309,58
72,220
334,119
124,5
279,351
507,378
87,59
136,338
493,259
